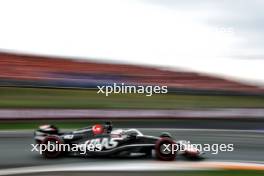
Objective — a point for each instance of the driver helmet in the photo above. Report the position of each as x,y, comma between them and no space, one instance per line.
98,129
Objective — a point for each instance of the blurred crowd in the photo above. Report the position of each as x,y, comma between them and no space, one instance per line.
30,70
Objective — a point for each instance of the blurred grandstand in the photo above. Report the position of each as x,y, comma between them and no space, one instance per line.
36,71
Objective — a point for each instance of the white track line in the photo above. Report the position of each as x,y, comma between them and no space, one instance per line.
223,113
134,166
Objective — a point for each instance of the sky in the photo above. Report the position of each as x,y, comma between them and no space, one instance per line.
217,37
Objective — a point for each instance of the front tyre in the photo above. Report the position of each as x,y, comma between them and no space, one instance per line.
50,146
165,149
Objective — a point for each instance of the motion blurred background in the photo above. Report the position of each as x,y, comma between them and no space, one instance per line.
30,81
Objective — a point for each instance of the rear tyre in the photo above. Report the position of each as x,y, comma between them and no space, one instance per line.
164,149
53,142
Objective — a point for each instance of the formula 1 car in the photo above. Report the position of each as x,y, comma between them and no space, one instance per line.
101,140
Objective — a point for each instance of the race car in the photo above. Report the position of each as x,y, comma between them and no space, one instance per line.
101,140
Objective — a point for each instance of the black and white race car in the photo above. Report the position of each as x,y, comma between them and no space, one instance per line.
102,140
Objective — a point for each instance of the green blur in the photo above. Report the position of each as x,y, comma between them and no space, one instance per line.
69,124
76,124
14,97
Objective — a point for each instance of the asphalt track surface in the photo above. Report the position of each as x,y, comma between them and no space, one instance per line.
15,148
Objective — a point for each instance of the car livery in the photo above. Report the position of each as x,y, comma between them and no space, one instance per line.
106,142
